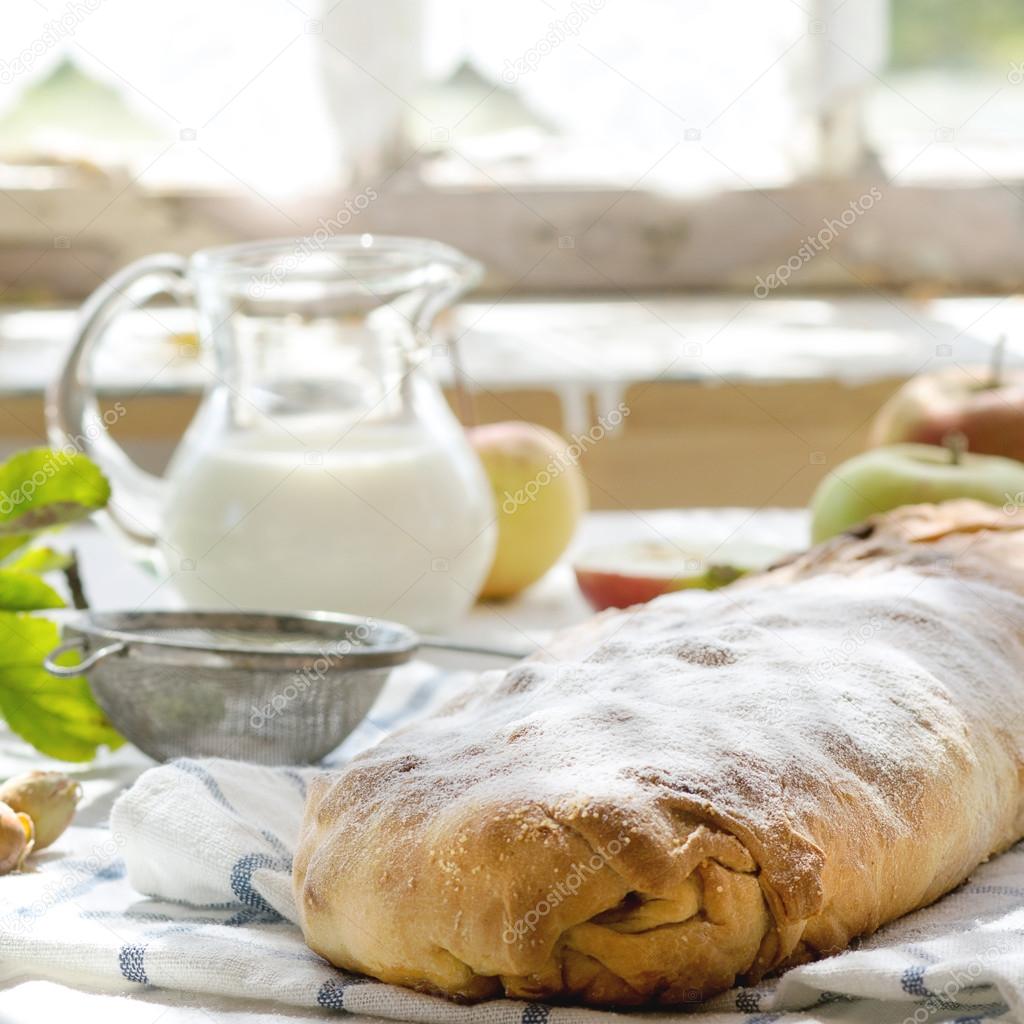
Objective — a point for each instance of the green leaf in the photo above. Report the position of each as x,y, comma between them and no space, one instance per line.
26,592
59,717
42,487
41,560
8,545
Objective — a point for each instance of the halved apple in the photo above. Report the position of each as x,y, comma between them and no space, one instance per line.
620,575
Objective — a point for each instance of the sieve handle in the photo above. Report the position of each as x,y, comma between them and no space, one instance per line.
445,644
69,671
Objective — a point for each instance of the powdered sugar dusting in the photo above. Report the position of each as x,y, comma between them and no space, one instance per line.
738,707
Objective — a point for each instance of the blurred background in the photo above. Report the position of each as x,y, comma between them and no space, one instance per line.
749,221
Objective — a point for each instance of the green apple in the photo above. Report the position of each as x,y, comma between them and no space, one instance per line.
909,474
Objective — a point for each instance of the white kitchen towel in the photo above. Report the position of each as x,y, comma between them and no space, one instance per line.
189,889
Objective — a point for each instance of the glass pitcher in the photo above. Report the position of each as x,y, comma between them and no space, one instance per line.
323,469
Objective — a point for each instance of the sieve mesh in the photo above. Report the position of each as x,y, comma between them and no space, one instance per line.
272,689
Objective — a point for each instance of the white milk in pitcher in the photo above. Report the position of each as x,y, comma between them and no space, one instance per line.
387,523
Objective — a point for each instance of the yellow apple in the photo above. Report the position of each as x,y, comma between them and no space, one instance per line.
539,495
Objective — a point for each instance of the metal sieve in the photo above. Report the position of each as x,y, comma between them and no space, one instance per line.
254,686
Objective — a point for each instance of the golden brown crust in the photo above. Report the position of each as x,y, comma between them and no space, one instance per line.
702,789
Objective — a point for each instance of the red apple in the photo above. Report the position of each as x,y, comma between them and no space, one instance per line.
621,575
985,404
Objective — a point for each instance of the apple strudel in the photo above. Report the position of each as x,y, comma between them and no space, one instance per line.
696,791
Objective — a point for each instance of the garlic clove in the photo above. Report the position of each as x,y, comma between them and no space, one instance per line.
17,838
48,798
30,837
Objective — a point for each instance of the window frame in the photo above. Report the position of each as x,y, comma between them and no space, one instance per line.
65,237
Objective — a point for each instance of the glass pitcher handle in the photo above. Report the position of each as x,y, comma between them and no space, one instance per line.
72,409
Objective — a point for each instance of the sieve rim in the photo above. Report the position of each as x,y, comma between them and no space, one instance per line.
398,642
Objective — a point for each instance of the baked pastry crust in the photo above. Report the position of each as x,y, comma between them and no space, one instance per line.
697,791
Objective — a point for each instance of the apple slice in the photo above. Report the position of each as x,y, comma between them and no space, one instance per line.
620,575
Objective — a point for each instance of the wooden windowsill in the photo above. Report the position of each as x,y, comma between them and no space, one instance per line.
730,400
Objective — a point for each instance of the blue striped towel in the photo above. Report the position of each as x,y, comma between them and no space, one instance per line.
188,889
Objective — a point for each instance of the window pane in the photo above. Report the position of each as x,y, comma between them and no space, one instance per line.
281,94
951,103
224,92
981,35
654,88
